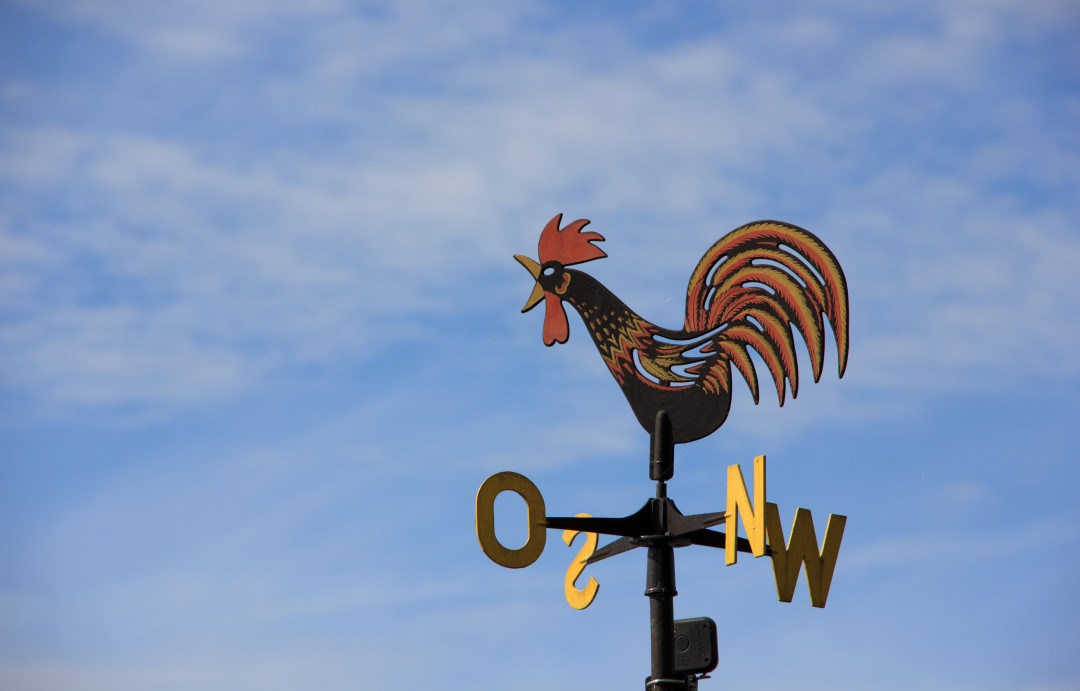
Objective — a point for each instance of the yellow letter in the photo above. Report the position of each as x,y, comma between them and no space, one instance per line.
580,599
485,520
802,548
738,500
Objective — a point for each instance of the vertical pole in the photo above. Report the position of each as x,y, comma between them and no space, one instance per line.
662,449
660,589
660,569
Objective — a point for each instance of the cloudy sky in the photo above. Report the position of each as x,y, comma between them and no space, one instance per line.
261,340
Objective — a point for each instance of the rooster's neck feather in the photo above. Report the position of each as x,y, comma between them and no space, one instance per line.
616,330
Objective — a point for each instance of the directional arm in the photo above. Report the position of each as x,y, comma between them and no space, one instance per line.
658,519
679,524
713,538
623,544
634,525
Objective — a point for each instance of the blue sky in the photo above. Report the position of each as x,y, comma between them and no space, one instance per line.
261,341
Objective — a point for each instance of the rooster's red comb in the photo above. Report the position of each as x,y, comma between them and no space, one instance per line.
569,245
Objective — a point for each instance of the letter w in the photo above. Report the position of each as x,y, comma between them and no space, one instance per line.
802,548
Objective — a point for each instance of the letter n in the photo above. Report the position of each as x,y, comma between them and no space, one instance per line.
738,500
802,548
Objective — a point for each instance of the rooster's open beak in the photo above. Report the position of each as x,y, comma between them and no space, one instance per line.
538,292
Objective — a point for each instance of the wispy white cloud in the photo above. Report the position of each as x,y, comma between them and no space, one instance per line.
948,544
198,30
544,125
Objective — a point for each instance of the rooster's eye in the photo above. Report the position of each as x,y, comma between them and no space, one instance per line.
549,271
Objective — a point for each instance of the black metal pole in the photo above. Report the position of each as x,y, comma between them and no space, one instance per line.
660,569
660,589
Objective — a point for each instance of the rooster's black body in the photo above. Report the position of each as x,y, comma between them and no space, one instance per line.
747,292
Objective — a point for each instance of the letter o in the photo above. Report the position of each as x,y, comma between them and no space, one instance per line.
485,520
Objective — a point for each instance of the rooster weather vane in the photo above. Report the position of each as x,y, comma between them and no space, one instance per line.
747,292
750,291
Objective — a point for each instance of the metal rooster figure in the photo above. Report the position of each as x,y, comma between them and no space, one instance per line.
747,292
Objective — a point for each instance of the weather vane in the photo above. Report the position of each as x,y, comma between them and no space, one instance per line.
747,293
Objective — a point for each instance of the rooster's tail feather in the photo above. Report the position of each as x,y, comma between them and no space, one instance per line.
760,280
